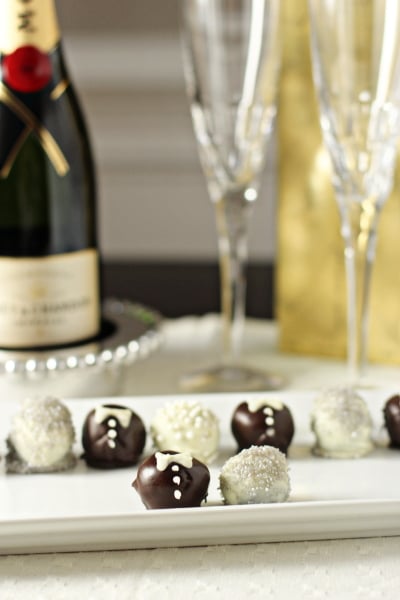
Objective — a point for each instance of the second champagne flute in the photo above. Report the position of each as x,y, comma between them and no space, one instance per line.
230,51
356,64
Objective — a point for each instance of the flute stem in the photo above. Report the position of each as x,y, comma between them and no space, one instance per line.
233,212
232,217
359,228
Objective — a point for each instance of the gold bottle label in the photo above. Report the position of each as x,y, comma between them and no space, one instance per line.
310,281
49,301
28,23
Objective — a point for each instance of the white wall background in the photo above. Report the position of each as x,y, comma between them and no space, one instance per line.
153,199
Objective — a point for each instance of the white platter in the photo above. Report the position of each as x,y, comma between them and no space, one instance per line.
86,509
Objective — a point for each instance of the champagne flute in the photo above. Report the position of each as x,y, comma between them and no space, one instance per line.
356,64
230,57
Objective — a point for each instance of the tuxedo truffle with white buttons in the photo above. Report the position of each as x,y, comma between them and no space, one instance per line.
263,422
113,436
172,480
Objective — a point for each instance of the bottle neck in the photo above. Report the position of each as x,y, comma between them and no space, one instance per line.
28,23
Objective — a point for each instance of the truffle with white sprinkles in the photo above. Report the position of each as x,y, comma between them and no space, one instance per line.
342,424
257,475
41,438
186,426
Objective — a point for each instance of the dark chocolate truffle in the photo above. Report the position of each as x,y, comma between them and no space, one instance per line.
263,422
172,480
113,436
391,414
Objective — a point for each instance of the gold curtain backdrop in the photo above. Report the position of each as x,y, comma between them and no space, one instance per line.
310,280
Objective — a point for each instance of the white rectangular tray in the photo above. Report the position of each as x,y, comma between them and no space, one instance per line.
86,509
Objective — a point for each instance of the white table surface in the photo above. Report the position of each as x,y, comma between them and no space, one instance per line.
338,569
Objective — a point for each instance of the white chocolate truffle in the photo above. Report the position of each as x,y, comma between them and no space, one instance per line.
342,424
186,426
257,475
41,437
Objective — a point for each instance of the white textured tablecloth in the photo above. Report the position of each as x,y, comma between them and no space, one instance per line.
334,569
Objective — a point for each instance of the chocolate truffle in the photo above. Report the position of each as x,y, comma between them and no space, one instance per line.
391,414
342,424
263,422
113,437
186,426
172,480
258,474
41,438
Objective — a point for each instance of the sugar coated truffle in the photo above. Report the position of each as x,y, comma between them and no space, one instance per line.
258,474
263,421
172,480
41,437
186,426
391,415
113,436
342,424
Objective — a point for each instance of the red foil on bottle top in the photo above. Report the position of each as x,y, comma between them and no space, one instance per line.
27,69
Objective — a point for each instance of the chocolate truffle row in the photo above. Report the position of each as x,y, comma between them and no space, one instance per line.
114,436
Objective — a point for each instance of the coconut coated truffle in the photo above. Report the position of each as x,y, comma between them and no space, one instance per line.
41,437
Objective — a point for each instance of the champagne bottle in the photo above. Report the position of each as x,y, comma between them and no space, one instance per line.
49,267
310,281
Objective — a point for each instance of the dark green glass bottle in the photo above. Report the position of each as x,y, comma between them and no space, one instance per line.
49,267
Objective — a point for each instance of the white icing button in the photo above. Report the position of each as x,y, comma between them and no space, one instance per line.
176,480
112,423
269,420
177,494
174,468
270,431
111,443
111,433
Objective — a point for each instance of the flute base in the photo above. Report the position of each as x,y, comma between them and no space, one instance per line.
232,378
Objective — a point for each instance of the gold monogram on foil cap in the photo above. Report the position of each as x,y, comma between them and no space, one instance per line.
28,22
